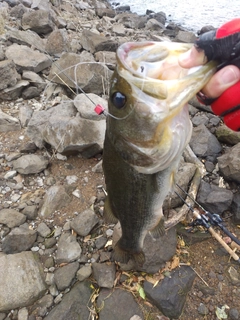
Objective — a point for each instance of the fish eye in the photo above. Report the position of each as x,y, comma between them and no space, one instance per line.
119,100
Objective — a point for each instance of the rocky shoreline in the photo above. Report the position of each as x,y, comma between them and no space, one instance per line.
55,249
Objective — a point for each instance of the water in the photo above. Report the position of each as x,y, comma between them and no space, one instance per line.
192,15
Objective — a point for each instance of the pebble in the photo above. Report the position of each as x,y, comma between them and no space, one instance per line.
202,309
10,174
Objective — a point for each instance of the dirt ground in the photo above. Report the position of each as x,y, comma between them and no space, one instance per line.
213,286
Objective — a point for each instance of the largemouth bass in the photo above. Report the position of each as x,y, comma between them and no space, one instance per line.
148,128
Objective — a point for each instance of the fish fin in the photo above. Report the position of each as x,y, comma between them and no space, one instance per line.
108,214
159,230
123,256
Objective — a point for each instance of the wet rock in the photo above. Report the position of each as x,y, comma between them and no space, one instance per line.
229,165
11,218
170,294
117,304
54,199
27,37
30,163
204,143
8,123
21,54
84,272
157,251
68,249
84,222
18,240
64,276
226,135
159,16
104,274
21,280
73,304
8,74
91,77
213,198
39,21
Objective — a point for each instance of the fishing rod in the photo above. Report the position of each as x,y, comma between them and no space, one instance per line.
214,218
205,221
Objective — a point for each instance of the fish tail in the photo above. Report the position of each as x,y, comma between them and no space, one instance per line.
123,256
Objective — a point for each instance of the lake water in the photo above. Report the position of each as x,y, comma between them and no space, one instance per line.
190,14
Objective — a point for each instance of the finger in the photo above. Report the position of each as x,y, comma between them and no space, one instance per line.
192,58
221,81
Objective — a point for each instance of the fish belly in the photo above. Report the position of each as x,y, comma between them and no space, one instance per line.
135,199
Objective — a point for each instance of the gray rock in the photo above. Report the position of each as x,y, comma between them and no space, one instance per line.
84,222
104,274
27,37
41,307
30,92
132,20
226,135
57,42
185,36
18,11
200,119
229,164
39,21
11,218
170,294
23,314
34,79
31,212
234,314
26,58
235,207
30,163
66,131
21,280
13,93
153,24
213,198
73,304
68,249
93,42
43,229
204,143
117,304
8,74
18,240
202,309
8,123
84,272
64,276
106,57
54,199
25,114
90,76
85,106
157,251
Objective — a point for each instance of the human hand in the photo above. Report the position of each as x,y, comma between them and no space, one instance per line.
223,90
